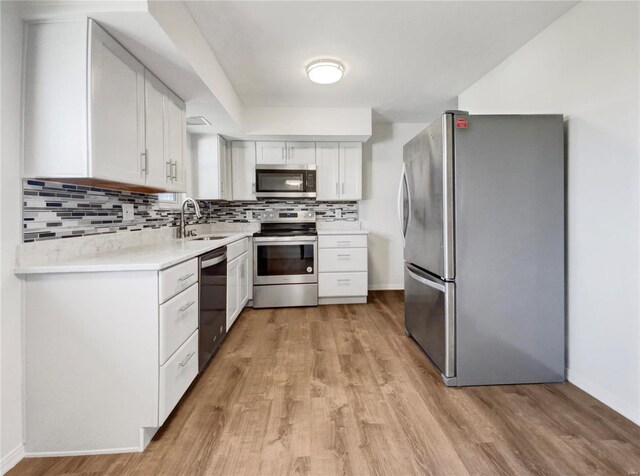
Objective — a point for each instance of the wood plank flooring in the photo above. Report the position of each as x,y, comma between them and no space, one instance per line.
341,390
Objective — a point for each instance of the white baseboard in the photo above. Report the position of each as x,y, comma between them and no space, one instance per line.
605,396
386,287
11,459
107,451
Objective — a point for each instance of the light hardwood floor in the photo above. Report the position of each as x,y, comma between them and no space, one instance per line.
341,390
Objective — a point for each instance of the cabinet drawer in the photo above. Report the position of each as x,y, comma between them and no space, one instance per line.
331,260
342,284
176,376
177,278
342,241
236,248
178,320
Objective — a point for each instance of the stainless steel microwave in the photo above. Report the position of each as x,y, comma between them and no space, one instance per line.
286,181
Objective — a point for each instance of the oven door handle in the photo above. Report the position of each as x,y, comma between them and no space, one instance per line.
286,240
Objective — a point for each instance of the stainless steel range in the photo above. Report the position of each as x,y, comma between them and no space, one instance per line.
285,260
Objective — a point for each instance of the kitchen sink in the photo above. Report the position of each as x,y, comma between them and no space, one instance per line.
210,238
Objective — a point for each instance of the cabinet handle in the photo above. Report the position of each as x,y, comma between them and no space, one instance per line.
185,277
184,362
282,154
253,187
337,189
186,306
144,156
168,170
342,188
174,170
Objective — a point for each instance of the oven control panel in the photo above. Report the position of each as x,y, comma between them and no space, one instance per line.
275,216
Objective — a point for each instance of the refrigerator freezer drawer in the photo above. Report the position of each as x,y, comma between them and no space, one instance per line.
430,317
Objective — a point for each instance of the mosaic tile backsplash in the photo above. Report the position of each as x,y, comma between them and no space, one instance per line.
53,210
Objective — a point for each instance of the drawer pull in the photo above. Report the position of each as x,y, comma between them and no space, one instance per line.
185,277
344,242
344,256
186,306
184,362
344,280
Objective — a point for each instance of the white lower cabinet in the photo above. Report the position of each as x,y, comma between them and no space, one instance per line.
178,320
176,375
233,290
342,269
243,280
239,278
117,349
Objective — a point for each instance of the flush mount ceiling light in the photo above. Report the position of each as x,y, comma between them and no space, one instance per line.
198,121
325,71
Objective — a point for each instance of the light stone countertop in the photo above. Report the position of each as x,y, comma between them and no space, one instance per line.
343,231
151,257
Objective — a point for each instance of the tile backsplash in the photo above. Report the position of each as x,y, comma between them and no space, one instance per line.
53,210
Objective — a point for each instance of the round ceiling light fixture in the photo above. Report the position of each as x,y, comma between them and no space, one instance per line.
325,71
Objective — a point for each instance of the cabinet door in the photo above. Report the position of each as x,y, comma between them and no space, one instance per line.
116,111
176,135
350,170
157,169
273,153
243,297
328,171
301,153
243,170
233,291
224,169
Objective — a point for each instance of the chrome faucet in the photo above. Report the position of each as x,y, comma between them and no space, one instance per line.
183,225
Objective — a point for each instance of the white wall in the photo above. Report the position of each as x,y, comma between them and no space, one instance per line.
382,165
586,66
11,395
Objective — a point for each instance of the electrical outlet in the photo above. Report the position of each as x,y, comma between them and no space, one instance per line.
338,213
249,215
127,212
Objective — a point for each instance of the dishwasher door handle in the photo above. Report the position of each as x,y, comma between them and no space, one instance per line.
214,261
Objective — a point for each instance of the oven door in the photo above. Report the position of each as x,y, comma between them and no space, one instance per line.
285,260
294,181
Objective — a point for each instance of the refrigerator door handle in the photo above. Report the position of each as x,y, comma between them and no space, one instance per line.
400,204
424,280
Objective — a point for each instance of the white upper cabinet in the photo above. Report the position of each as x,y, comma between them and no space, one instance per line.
271,153
350,171
301,153
211,168
156,163
339,175
92,112
176,133
328,171
243,170
116,111
281,153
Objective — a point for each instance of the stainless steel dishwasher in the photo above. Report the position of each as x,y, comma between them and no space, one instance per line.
213,304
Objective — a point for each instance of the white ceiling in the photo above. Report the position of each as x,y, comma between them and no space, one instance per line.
406,60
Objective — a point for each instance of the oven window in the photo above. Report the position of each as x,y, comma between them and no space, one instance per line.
282,260
280,181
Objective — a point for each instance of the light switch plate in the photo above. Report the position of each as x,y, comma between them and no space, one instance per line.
249,215
127,212
338,213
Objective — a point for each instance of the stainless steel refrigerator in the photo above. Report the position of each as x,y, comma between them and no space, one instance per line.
482,211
